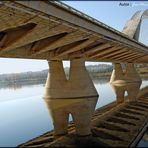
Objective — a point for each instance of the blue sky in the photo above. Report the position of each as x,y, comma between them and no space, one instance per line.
110,13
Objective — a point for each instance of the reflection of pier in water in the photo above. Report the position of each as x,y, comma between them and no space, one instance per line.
116,124
81,110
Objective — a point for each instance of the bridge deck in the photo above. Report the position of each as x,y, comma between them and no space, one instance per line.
113,125
50,30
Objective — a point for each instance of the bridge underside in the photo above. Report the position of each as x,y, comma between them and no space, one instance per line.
41,30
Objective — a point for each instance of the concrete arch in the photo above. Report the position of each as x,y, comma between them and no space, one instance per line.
132,30
132,26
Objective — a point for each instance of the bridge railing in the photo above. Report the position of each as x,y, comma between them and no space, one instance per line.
61,4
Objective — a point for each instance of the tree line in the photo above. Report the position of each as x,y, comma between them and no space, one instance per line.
95,71
40,76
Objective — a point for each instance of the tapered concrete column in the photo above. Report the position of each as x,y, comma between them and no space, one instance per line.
117,74
119,92
80,82
133,90
56,81
76,96
131,74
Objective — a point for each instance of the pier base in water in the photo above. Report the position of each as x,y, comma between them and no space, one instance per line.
128,81
76,96
129,76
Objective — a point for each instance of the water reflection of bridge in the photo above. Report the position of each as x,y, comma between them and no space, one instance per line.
120,123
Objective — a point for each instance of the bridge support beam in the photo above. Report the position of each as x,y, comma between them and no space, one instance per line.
76,96
117,74
121,82
131,74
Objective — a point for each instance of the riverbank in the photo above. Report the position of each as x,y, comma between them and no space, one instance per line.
102,71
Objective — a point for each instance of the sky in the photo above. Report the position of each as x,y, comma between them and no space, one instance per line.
113,13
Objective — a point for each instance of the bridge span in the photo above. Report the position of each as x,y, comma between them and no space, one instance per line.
53,31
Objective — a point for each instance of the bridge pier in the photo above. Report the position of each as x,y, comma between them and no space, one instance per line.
117,74
76,96
121,82
129,76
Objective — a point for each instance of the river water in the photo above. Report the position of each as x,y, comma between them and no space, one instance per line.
24,115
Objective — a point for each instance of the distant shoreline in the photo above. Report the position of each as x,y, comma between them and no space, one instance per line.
103,78
97,72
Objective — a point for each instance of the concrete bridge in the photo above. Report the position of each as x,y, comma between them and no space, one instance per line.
54,32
